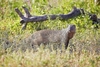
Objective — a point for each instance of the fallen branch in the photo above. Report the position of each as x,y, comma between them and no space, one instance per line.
29,18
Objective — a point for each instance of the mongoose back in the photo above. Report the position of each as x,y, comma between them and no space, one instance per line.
52,36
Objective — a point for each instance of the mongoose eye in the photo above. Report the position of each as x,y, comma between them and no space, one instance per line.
32,46
7,42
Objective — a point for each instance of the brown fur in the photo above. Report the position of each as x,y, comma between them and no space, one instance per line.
52,36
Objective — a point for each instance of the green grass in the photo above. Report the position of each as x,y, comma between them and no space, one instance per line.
83,50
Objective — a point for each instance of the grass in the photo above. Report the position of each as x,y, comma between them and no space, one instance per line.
83,50
46,58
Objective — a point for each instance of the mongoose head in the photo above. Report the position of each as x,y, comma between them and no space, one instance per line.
71,31
93,17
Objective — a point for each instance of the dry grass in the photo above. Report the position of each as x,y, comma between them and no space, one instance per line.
46,58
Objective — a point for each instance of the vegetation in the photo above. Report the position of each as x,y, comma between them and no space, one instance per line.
83,50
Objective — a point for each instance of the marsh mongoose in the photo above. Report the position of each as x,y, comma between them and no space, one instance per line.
52,36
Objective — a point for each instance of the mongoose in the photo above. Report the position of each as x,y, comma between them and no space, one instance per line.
95,20
52,36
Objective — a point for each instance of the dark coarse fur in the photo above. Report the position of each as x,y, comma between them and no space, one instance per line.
95,20
52,36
